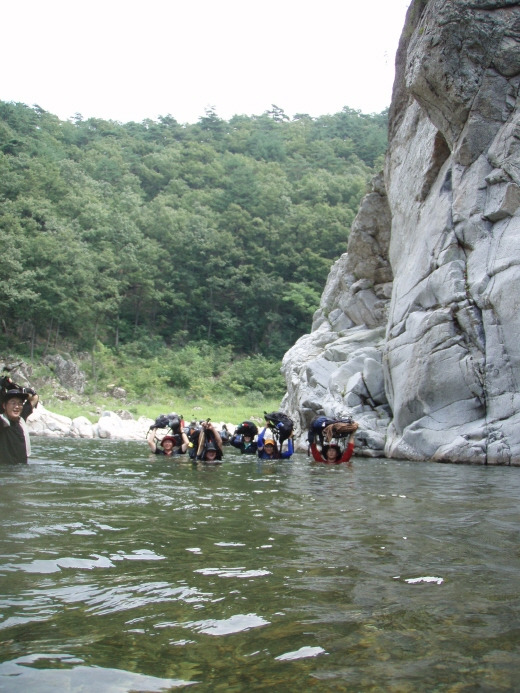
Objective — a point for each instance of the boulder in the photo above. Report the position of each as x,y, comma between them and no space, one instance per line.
81,427
43,422
112,426
67,373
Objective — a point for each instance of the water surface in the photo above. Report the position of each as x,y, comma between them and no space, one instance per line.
121,572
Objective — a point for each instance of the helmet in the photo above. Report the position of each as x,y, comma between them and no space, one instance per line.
172,438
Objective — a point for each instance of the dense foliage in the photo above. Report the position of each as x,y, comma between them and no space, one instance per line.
220,232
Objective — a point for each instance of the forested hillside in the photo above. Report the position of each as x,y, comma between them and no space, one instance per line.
158,232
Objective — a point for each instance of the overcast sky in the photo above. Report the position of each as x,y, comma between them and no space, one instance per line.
134,59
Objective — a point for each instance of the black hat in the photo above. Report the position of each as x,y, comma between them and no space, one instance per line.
211,446
14,393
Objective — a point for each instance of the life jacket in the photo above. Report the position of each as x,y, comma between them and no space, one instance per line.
280,424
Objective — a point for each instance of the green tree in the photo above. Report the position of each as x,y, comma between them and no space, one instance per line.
140,234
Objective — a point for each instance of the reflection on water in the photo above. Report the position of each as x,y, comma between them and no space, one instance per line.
120,572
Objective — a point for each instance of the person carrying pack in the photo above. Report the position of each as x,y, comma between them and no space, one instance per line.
175,442
16,405
279,428
326,429
244,438
209,448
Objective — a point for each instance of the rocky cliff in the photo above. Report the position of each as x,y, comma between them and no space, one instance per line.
418,331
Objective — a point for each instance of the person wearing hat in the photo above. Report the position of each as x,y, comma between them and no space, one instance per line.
267,448
210,444
331,454
211,454
16,405
170,445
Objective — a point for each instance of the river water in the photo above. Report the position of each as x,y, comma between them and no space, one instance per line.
122,571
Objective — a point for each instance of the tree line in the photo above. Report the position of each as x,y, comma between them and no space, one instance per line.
172,234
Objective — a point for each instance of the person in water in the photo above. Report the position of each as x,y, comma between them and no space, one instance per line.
267,449
170,445
16,406
210,444
210,454
245,443
331,454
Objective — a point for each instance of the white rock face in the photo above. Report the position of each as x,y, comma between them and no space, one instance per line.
418,332
337,370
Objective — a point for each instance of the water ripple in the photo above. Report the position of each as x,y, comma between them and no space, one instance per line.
235,624
302,653
404,575
233,572
43,566
37,673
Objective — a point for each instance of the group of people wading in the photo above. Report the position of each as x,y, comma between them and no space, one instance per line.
330,440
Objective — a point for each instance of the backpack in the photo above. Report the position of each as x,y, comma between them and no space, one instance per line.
339,429
324,427
173,421
193,433
280,424
247,428
6,385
